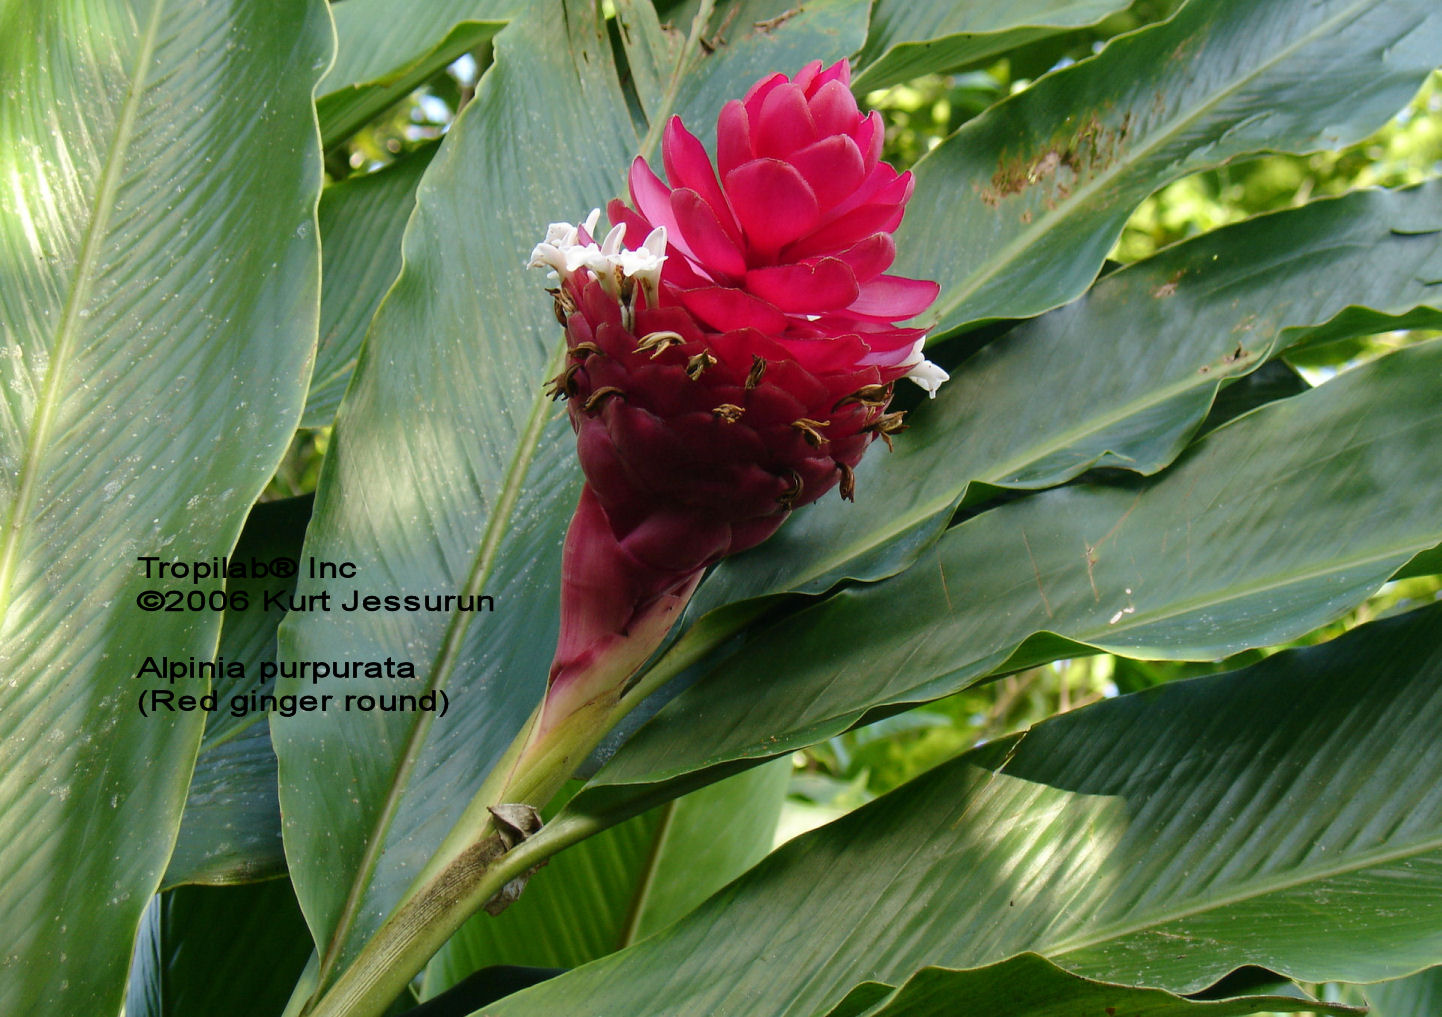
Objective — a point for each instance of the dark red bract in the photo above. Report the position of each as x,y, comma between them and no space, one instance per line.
739,362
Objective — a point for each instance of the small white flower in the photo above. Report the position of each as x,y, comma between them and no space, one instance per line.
564,253
644,263
923,371
562,249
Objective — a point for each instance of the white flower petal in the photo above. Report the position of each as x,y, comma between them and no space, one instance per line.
612,243
928,376
546,254
923,371
609,261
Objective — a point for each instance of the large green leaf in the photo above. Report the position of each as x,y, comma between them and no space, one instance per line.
1031,986
454,478
1418,995
449,470
909,38
1015,212
1265,529
230,830
1161,839
624,884
229,951
1120,378
381,58
158,292
361,222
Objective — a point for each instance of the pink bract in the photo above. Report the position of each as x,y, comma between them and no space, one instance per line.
793,236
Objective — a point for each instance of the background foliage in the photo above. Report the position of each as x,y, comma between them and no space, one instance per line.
1185,476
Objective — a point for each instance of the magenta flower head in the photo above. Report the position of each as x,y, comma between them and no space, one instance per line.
737,362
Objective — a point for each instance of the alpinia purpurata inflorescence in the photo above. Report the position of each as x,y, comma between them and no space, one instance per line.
736,363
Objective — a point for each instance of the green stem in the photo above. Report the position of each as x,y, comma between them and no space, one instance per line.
474,862
455,890
683,60
423,924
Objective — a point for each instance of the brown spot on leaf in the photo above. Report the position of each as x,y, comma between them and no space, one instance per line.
1067,161
1169,287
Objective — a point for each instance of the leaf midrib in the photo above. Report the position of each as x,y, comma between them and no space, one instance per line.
646,879
66,339
1044,223
1254,888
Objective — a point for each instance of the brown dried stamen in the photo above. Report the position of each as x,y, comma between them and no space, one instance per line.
788,497
563,384
848,482
658,343
758,368
727,412
697,365
867,395
886,425
585,349
596,398
808,429
562,303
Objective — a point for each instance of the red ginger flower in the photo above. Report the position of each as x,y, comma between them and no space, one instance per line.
738,363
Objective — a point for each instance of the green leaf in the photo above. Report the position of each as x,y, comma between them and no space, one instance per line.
1015,212
1276,379
1265,529
1031,986
461,491
653,52
381,58
910,38
736,45
361,221
158,293
1121,378
632,880
228,951
755,38
451,473
1418,995
1159,839
230,830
